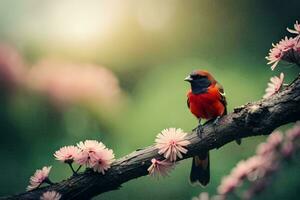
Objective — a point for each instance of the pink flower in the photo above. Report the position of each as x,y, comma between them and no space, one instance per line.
39,177
259,168
264,149
287,149
88,150
69,83
160,168
12,69
296,29
287,50
202,196
256,166
50,195
287,44
102,160
228,184
294,132
274,86
275,139
254,162
171,142
274,56
67,154
241,170
95,155
244,168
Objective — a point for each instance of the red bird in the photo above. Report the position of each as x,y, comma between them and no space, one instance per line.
206,100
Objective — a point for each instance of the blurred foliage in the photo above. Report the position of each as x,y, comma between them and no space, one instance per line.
151,46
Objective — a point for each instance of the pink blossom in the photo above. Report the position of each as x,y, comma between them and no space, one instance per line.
287,49
294,132
202,196
264,149
67,154
291,49
88,148
68,83
95,155
281,51
171,142
296,29
12,69
274,56
287,149
287,44
259,168
244,168
102,160
39,177
256,166
241,170
297,48
160,168
255,162
228,184
50,195
275,139
274,86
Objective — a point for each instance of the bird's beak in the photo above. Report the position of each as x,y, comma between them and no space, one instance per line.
188,78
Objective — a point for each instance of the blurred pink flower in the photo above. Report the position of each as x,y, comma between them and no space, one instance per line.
50,195
296,29
297,49
11,67
275,139
202,196
228,184
294,132
264,149
257,167
39,177
88,148
67,83
171,142
274,86
287,149
254,162
102,160
160,168
67,154
241,170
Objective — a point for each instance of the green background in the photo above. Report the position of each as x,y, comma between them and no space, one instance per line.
150,56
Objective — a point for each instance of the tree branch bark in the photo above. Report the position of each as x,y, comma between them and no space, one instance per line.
252,119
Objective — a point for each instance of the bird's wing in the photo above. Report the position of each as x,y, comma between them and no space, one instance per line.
224,102
223,98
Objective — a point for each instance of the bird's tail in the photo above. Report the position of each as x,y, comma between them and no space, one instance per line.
200,172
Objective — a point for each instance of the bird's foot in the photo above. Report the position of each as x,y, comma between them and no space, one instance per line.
216,120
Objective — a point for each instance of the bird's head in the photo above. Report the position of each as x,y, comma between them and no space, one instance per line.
200,80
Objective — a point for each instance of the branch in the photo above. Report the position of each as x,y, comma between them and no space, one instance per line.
252,119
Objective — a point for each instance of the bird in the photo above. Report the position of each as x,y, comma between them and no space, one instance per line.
206,100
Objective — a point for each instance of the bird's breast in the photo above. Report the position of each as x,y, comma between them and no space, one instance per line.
206,105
